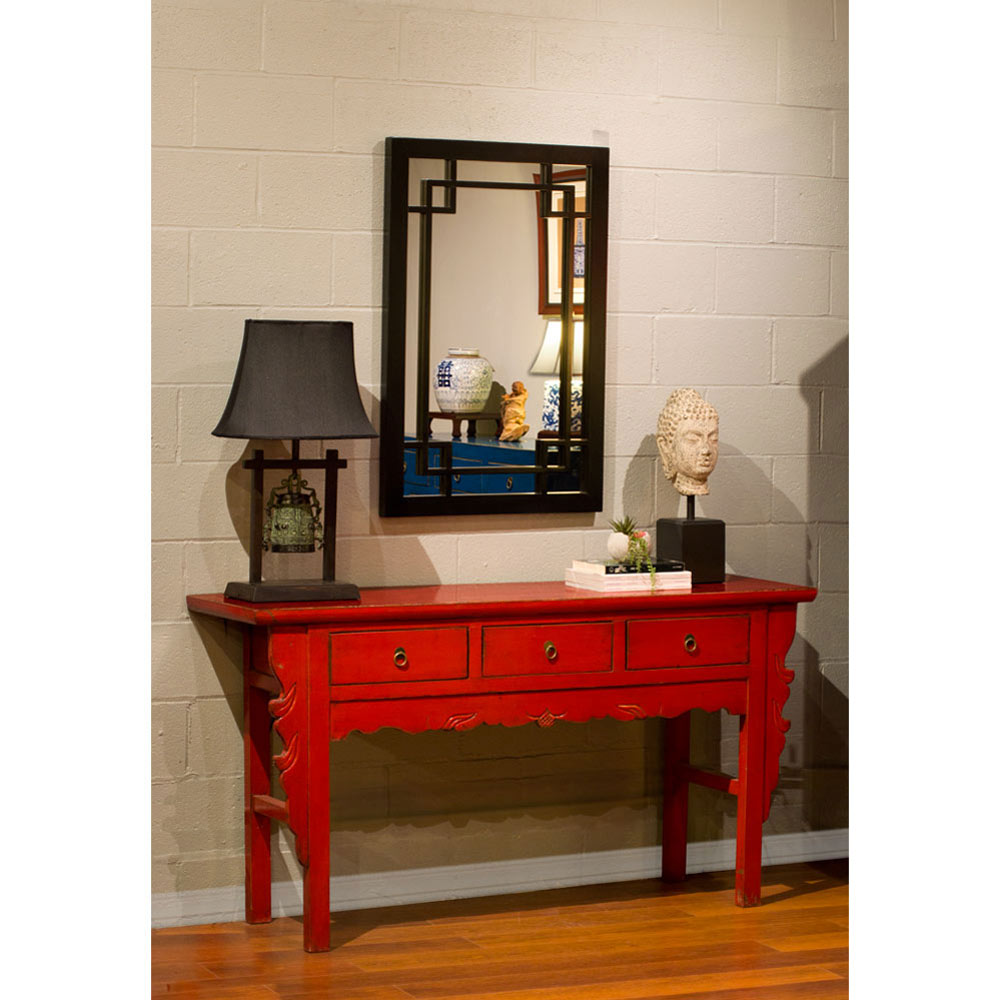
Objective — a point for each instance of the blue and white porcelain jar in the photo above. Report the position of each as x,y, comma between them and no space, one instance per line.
462,381
550,406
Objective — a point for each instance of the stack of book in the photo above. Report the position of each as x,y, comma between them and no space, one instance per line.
616,578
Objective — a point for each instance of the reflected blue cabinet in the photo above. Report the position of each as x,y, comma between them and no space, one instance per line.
474,455
478,454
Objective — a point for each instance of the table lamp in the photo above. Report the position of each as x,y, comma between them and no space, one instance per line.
295,381
547,363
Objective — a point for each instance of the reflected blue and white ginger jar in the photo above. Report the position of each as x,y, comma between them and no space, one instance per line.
550,406
462,381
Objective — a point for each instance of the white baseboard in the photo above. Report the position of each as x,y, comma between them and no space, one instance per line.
419,885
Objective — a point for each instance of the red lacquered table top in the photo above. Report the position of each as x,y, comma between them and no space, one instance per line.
485,600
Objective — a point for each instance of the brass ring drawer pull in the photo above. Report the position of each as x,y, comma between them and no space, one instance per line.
399,658
550,650
690,643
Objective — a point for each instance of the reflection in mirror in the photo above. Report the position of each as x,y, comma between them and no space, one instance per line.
550,242
484,410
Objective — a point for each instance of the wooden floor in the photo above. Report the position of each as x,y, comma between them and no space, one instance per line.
634,940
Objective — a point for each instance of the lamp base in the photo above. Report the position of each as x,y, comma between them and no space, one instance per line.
267,591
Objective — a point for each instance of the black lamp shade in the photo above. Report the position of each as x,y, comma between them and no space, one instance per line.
295,380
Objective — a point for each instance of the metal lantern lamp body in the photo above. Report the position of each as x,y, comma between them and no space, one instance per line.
293,522
294,381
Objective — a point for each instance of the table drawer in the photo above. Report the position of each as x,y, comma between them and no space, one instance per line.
399,655
517,650
688,642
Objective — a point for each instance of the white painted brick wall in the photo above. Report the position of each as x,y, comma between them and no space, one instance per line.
720,350
197,189
207,34
773,282
331,39
728,127
263,112
715,208
812,73
464,48
810,210
775,140
661,277
319,192
172,107
260,267
598,58
720,67
777,18
169,254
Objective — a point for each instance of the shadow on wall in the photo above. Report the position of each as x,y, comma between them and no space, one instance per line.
489,794
826,755
200,832
401,800
777,535
743,496
812,786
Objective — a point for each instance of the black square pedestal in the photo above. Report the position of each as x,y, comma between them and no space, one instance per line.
699,542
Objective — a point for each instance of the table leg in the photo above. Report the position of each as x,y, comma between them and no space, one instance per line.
676,752
302,719
256,781
316,877
750,803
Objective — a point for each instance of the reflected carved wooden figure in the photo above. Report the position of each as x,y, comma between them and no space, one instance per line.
454,657
512,412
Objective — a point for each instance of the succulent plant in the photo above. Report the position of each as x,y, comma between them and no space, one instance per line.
625,526
637,552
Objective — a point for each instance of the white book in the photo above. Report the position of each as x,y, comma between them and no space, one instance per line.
630,583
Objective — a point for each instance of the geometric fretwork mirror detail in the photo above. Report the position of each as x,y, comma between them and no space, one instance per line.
494,285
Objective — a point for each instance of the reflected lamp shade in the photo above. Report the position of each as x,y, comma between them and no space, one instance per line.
295,380
547,360
547,363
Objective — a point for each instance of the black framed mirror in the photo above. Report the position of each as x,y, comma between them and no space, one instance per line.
494,306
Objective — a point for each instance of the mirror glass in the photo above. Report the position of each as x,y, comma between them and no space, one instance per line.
479,339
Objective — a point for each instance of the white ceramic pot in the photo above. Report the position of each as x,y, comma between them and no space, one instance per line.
617,545
462,381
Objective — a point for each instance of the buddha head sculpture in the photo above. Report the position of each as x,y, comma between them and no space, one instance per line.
687,434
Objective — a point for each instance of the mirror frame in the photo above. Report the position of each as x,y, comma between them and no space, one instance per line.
393,502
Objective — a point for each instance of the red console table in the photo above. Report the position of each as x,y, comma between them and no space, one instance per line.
454,657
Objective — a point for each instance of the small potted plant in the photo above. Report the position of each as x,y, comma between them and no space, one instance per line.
627,544
618,542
